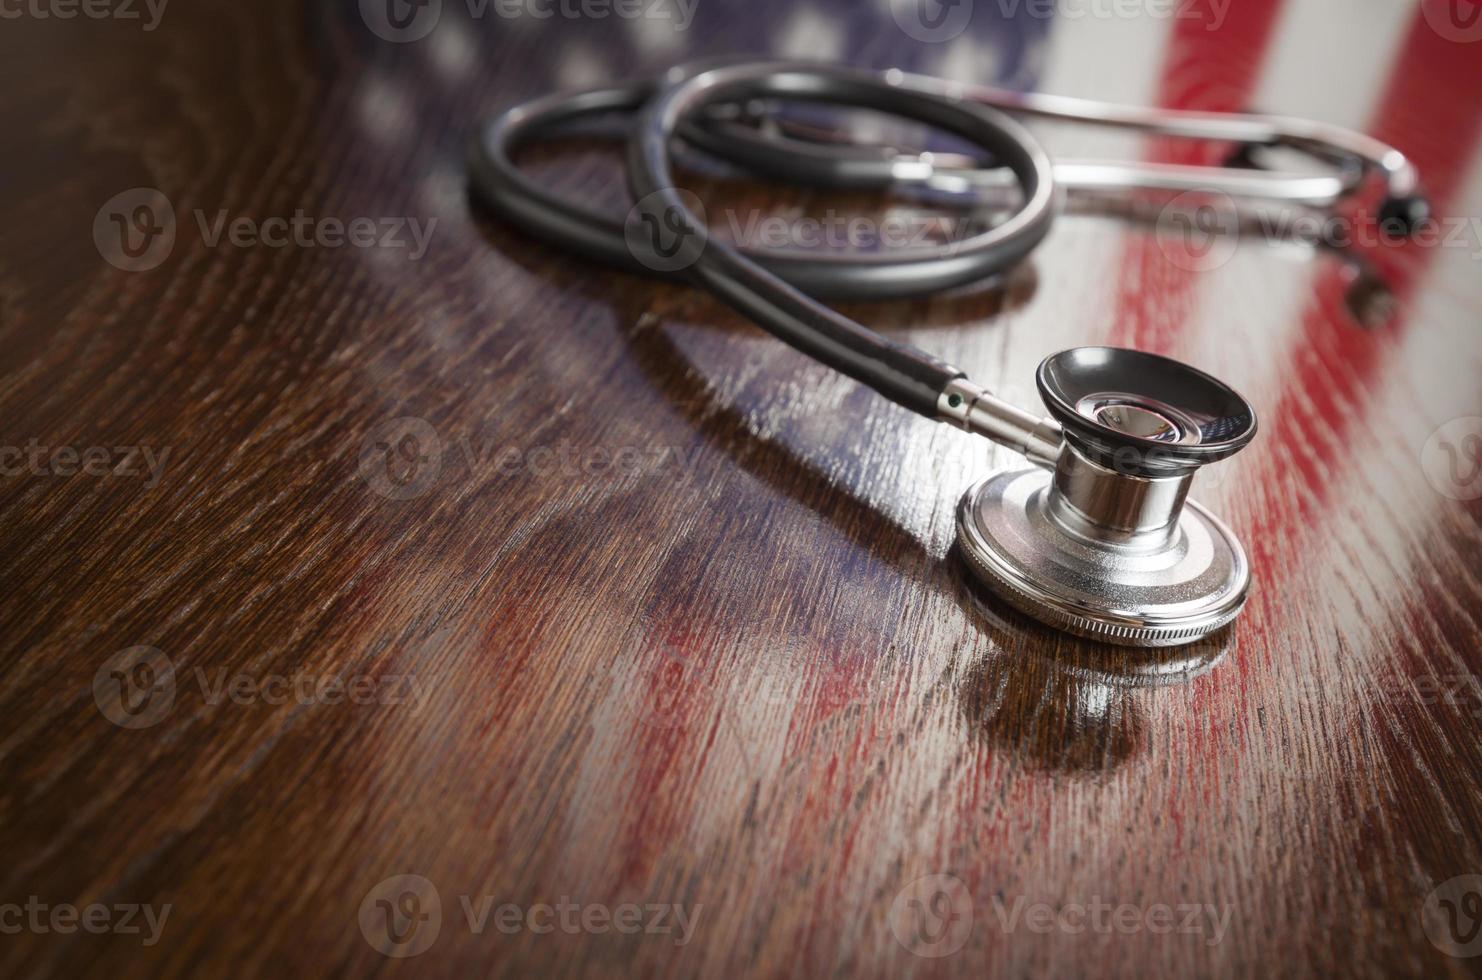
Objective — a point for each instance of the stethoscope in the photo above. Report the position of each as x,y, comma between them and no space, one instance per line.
1099,537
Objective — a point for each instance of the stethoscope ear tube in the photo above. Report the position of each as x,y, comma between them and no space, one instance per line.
781,288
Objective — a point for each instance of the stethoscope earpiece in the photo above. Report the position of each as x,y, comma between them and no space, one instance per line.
1401,217
1106,544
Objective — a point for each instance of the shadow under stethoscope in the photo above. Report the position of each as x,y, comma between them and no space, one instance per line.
1062,704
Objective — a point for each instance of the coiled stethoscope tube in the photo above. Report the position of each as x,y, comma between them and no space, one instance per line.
859,275
902,373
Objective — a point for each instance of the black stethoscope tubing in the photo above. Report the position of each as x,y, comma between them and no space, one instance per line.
780,289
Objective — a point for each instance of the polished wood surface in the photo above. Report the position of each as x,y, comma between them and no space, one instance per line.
634,605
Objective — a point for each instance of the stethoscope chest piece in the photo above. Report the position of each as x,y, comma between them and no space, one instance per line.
1107,545
1175,592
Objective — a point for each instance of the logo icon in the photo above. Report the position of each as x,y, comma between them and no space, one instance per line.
1455,20
664,693
1199,230
400,21
135,688
401,916
1452,916
135,230
402,458
1452,458
932,21
932,916
661,236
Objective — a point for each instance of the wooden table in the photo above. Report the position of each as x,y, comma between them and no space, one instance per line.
572,594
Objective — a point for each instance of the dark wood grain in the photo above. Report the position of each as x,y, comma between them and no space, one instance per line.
670,614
